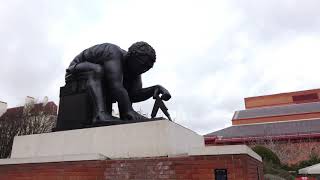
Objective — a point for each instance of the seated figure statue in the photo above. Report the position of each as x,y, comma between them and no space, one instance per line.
119,75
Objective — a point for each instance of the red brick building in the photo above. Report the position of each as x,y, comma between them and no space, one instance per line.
49,108
287,123
32,118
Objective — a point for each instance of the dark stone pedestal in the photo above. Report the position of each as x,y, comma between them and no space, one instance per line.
75,107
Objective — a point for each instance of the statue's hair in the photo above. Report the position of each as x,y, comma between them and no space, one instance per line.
142,49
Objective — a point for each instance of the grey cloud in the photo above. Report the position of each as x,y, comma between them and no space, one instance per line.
269,19
30,62
201,114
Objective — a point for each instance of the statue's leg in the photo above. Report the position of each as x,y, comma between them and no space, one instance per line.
108,101
95,88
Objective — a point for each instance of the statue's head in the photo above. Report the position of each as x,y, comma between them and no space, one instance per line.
140,58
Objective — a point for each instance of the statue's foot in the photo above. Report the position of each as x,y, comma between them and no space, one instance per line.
103,117
134,116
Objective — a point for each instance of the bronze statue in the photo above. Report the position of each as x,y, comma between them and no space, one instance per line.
117,77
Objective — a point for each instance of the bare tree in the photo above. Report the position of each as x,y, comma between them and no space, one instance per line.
8,129
32,118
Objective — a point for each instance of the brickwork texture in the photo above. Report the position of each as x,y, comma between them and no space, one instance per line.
291,153
239,167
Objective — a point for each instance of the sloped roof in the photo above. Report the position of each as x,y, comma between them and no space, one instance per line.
270,129
314,169
278,110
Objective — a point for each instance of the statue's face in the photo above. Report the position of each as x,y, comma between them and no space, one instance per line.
140,64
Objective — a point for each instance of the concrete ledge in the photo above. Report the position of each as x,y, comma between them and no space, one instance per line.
145,139
314,169
47,159
225,149
137,140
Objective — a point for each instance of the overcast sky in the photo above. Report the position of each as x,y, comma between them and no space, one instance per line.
210,54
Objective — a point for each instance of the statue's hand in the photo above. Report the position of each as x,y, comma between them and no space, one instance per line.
70,70
132,115
161,90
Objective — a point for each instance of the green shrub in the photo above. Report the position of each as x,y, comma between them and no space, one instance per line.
266,154
272,169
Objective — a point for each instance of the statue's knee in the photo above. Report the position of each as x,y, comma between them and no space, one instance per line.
99,70
96,75
96,72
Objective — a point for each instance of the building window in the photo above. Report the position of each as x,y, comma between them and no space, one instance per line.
220,174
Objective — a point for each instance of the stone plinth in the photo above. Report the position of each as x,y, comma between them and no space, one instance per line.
146,139
159,150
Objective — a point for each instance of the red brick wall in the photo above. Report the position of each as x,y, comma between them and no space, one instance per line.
84,170
295,152
292,152
239,167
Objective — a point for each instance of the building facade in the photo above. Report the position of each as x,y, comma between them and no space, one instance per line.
287,123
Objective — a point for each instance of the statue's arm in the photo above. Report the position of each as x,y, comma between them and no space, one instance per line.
138,94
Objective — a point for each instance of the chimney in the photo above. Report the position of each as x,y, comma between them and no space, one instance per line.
45,101
30,100
3,107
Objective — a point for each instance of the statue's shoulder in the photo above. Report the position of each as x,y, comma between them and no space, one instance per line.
114,50
103,50
113,47
102,47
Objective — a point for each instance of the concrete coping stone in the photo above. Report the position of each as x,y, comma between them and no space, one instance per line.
225,150
314,169
144,139
49,159
208,150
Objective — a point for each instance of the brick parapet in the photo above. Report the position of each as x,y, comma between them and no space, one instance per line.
164,168
280,99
